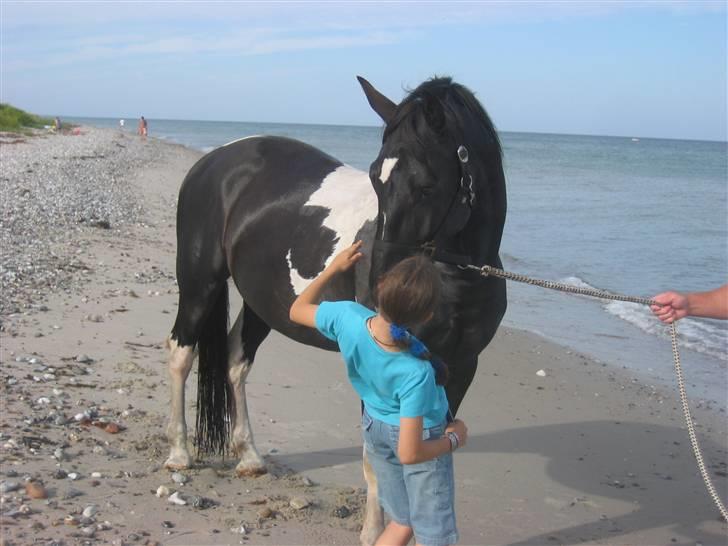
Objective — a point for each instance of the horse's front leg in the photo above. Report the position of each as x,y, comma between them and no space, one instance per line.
180,364
373,515
245,336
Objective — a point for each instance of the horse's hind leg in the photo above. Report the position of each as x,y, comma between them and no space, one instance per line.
246,335
373,516
180,364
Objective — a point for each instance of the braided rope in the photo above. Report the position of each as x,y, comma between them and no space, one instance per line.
487,270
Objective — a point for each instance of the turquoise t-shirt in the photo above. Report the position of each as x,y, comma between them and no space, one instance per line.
391,384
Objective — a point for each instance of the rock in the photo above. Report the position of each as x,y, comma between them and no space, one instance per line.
84,359
8,487
35,490
73,476
162,491
305,480
265,513
89,531
299,503
90,511
178,478
59,474
167,524
175,498
541,373
341,512
71,494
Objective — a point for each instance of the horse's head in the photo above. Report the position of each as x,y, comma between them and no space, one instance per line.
438,177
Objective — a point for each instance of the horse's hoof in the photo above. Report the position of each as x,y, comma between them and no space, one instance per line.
253,472
176,462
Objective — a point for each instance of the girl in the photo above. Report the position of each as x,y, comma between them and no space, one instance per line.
405,408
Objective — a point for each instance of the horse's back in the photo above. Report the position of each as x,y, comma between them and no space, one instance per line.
279,209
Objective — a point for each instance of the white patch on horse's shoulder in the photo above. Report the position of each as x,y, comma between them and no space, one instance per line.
387,166
239,139
351,201
298,282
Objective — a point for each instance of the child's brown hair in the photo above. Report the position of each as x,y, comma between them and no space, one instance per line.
406,296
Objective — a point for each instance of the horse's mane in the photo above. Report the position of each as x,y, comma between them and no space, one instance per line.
459,107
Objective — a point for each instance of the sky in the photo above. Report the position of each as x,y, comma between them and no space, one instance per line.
649,69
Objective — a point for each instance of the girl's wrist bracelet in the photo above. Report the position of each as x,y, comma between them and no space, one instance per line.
454,440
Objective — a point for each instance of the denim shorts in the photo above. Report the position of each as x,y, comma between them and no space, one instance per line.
422,495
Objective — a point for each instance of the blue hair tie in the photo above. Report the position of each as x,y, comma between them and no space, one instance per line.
398,332
417,348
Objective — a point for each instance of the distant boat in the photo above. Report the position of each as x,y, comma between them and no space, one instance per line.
635,140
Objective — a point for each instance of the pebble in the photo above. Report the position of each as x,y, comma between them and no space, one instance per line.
341,512
265,513
8,487
59,474
299,503
179,478
175,498
541,373
90,511
36,490
162,491
73,476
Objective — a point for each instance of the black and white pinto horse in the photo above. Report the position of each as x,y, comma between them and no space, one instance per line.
271,212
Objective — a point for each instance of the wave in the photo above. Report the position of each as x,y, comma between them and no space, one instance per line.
696,334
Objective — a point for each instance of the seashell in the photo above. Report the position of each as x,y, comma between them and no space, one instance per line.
174,498
162,491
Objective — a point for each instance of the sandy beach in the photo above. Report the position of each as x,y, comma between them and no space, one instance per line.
586,454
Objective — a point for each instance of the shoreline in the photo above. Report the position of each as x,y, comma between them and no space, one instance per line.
588,453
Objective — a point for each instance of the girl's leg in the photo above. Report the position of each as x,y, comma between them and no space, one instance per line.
395,534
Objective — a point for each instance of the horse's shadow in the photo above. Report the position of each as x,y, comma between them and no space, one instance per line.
636,463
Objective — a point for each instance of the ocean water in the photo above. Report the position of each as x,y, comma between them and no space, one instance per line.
628,215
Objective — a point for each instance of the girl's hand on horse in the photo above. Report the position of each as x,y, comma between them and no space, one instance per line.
346,259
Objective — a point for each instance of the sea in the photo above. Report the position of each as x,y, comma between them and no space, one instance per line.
629,215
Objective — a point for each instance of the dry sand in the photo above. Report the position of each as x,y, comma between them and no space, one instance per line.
587,454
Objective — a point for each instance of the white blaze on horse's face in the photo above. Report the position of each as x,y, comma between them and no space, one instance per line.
387,166
348,195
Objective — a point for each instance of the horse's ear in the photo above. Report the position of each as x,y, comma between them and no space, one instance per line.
379,103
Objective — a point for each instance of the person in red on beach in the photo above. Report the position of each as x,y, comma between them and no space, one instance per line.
675,305
142,127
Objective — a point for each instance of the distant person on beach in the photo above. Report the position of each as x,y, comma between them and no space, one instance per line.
57,124
710,304
404,420
143,127
121,124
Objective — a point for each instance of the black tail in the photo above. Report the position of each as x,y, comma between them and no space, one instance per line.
214,399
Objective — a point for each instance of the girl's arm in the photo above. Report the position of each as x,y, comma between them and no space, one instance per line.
413,449
303,310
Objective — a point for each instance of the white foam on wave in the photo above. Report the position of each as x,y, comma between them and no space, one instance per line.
696,334
693,333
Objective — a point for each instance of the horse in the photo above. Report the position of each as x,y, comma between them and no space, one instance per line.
271,212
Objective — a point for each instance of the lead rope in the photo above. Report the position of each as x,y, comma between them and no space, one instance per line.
487,270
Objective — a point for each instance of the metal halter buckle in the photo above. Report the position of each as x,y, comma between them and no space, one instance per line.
462,154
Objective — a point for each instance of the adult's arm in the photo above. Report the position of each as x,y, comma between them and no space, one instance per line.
709,304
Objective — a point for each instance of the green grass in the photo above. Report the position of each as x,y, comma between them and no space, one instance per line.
15,119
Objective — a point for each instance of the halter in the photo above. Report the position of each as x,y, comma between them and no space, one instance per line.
465,194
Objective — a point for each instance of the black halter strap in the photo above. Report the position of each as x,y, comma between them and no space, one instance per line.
464,194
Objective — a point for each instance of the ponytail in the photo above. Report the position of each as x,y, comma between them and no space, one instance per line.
405,340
